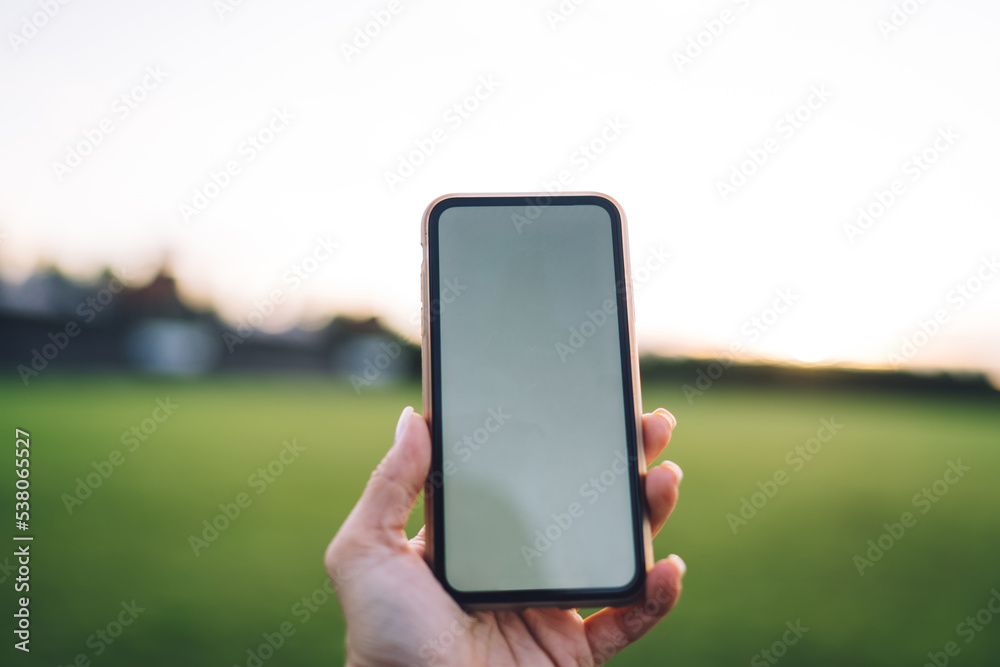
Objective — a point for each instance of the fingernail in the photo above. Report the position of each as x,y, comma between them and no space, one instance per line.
674,468
679,563
401,424
663,412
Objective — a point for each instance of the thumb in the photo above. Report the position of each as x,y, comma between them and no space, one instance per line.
392,490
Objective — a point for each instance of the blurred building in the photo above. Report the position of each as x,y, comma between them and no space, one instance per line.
49,320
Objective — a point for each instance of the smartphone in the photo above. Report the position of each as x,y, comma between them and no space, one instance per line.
531,391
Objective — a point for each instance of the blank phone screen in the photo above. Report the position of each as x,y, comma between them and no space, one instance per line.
536,488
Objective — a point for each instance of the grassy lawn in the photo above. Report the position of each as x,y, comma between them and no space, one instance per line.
792,561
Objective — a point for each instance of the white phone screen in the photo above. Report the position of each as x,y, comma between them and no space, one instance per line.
535,477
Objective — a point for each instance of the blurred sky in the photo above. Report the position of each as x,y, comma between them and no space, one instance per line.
338,120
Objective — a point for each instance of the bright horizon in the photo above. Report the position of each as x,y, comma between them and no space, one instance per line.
297,133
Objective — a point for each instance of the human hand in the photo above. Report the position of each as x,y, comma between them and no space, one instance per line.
398,614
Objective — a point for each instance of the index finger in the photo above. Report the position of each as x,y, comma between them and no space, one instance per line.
657,426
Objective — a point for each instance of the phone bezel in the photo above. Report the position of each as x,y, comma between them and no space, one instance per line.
430,339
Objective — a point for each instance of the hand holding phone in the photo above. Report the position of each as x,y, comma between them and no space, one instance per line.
401,611
398,613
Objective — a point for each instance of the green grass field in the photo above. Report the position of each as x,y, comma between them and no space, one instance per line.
792,562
